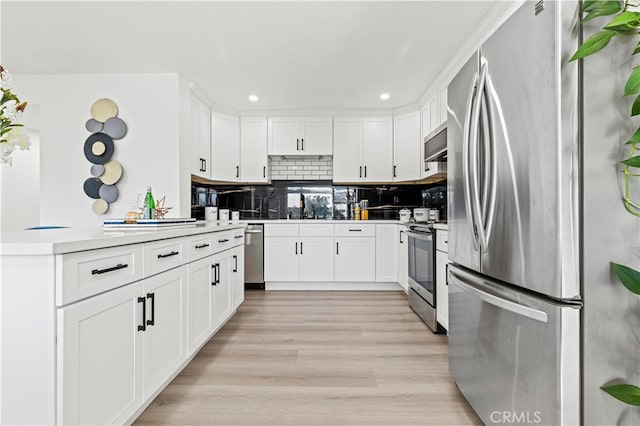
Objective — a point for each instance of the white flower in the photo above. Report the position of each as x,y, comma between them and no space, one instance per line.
19,139
6,82
5,153
9,110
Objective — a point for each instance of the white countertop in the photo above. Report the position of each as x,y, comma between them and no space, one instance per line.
441,226
329,221
66,240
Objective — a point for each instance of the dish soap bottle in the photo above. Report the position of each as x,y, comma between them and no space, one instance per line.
149,206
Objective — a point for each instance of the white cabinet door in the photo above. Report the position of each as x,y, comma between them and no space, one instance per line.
200,138
355,259
100,358
407,147
283,135
403,255
253,150
200,302
443,105
425,125
347,140
165,337
377,150
222,287
442,289
316,136
237,276
316,259
434,108
225,147
281,258
386,253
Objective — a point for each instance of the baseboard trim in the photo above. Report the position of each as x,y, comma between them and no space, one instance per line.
331,286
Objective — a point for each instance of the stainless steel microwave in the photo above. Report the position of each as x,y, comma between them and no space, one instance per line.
435,144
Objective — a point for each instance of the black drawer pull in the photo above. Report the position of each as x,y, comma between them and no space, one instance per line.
143,327
173,253
337,248
152,296
226,240
113,268
355,230
238,236
202,246
235,261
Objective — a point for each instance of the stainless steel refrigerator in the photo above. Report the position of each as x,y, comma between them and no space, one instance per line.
514,285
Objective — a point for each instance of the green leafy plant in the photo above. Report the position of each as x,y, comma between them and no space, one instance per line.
624,23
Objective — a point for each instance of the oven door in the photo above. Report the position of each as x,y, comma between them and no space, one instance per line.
421,265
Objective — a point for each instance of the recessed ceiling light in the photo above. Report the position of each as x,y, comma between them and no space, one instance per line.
384,96
253,98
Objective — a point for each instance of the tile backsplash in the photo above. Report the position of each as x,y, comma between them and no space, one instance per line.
319,168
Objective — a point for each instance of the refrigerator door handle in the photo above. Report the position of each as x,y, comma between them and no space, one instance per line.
465,159
493,183
474,171
516,308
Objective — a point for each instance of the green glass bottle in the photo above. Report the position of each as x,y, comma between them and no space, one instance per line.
149,211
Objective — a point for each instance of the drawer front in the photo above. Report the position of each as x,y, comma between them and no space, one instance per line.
237,237
281,230
355,230
83,274
163,255
442,240
316,230
199,246
222,241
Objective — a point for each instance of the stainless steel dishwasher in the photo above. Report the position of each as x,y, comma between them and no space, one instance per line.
254,256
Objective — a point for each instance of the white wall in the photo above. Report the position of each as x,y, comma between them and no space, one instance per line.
150,153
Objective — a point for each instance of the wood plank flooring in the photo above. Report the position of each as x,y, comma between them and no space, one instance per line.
317,358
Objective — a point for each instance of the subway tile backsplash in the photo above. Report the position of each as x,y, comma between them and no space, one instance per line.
301,168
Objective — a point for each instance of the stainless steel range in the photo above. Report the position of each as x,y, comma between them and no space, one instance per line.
422,286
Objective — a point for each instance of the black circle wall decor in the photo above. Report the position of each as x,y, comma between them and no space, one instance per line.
99,148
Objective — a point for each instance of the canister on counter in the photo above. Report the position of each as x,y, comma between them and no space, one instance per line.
356,214
364,210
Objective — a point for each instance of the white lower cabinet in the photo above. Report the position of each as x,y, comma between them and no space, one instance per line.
403,256
442,287
222,287
237,276
281,258
200,302
116,349
316,259
355,259
386,253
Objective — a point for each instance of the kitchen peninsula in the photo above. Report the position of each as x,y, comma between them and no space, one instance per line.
94,323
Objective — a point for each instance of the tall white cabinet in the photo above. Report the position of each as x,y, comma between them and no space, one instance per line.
406,147
254,160
225,147
200,138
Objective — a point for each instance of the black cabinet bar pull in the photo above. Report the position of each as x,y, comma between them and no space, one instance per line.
337,248
296,248
264,171
302,143
237,171
152,296
297,144
143,327
394,171
355,230
204,161
173,253
300,247
360,171
401,232
235,262
226,240
202,246
237,237
217,273
365,171
113,268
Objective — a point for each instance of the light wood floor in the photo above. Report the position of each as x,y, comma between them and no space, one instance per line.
317,358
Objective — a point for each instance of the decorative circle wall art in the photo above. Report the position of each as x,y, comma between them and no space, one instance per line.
105,127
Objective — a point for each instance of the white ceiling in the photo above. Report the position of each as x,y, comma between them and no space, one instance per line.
293,55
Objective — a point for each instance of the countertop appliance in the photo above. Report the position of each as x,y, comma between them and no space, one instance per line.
435,144
514,284
421,273
254,256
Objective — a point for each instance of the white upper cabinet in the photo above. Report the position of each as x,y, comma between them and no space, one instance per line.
225,147
442,105
200,138
362,149
407,147
347,140
300,136
434,114
253,150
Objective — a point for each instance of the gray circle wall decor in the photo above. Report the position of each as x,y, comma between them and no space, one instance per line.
99,147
